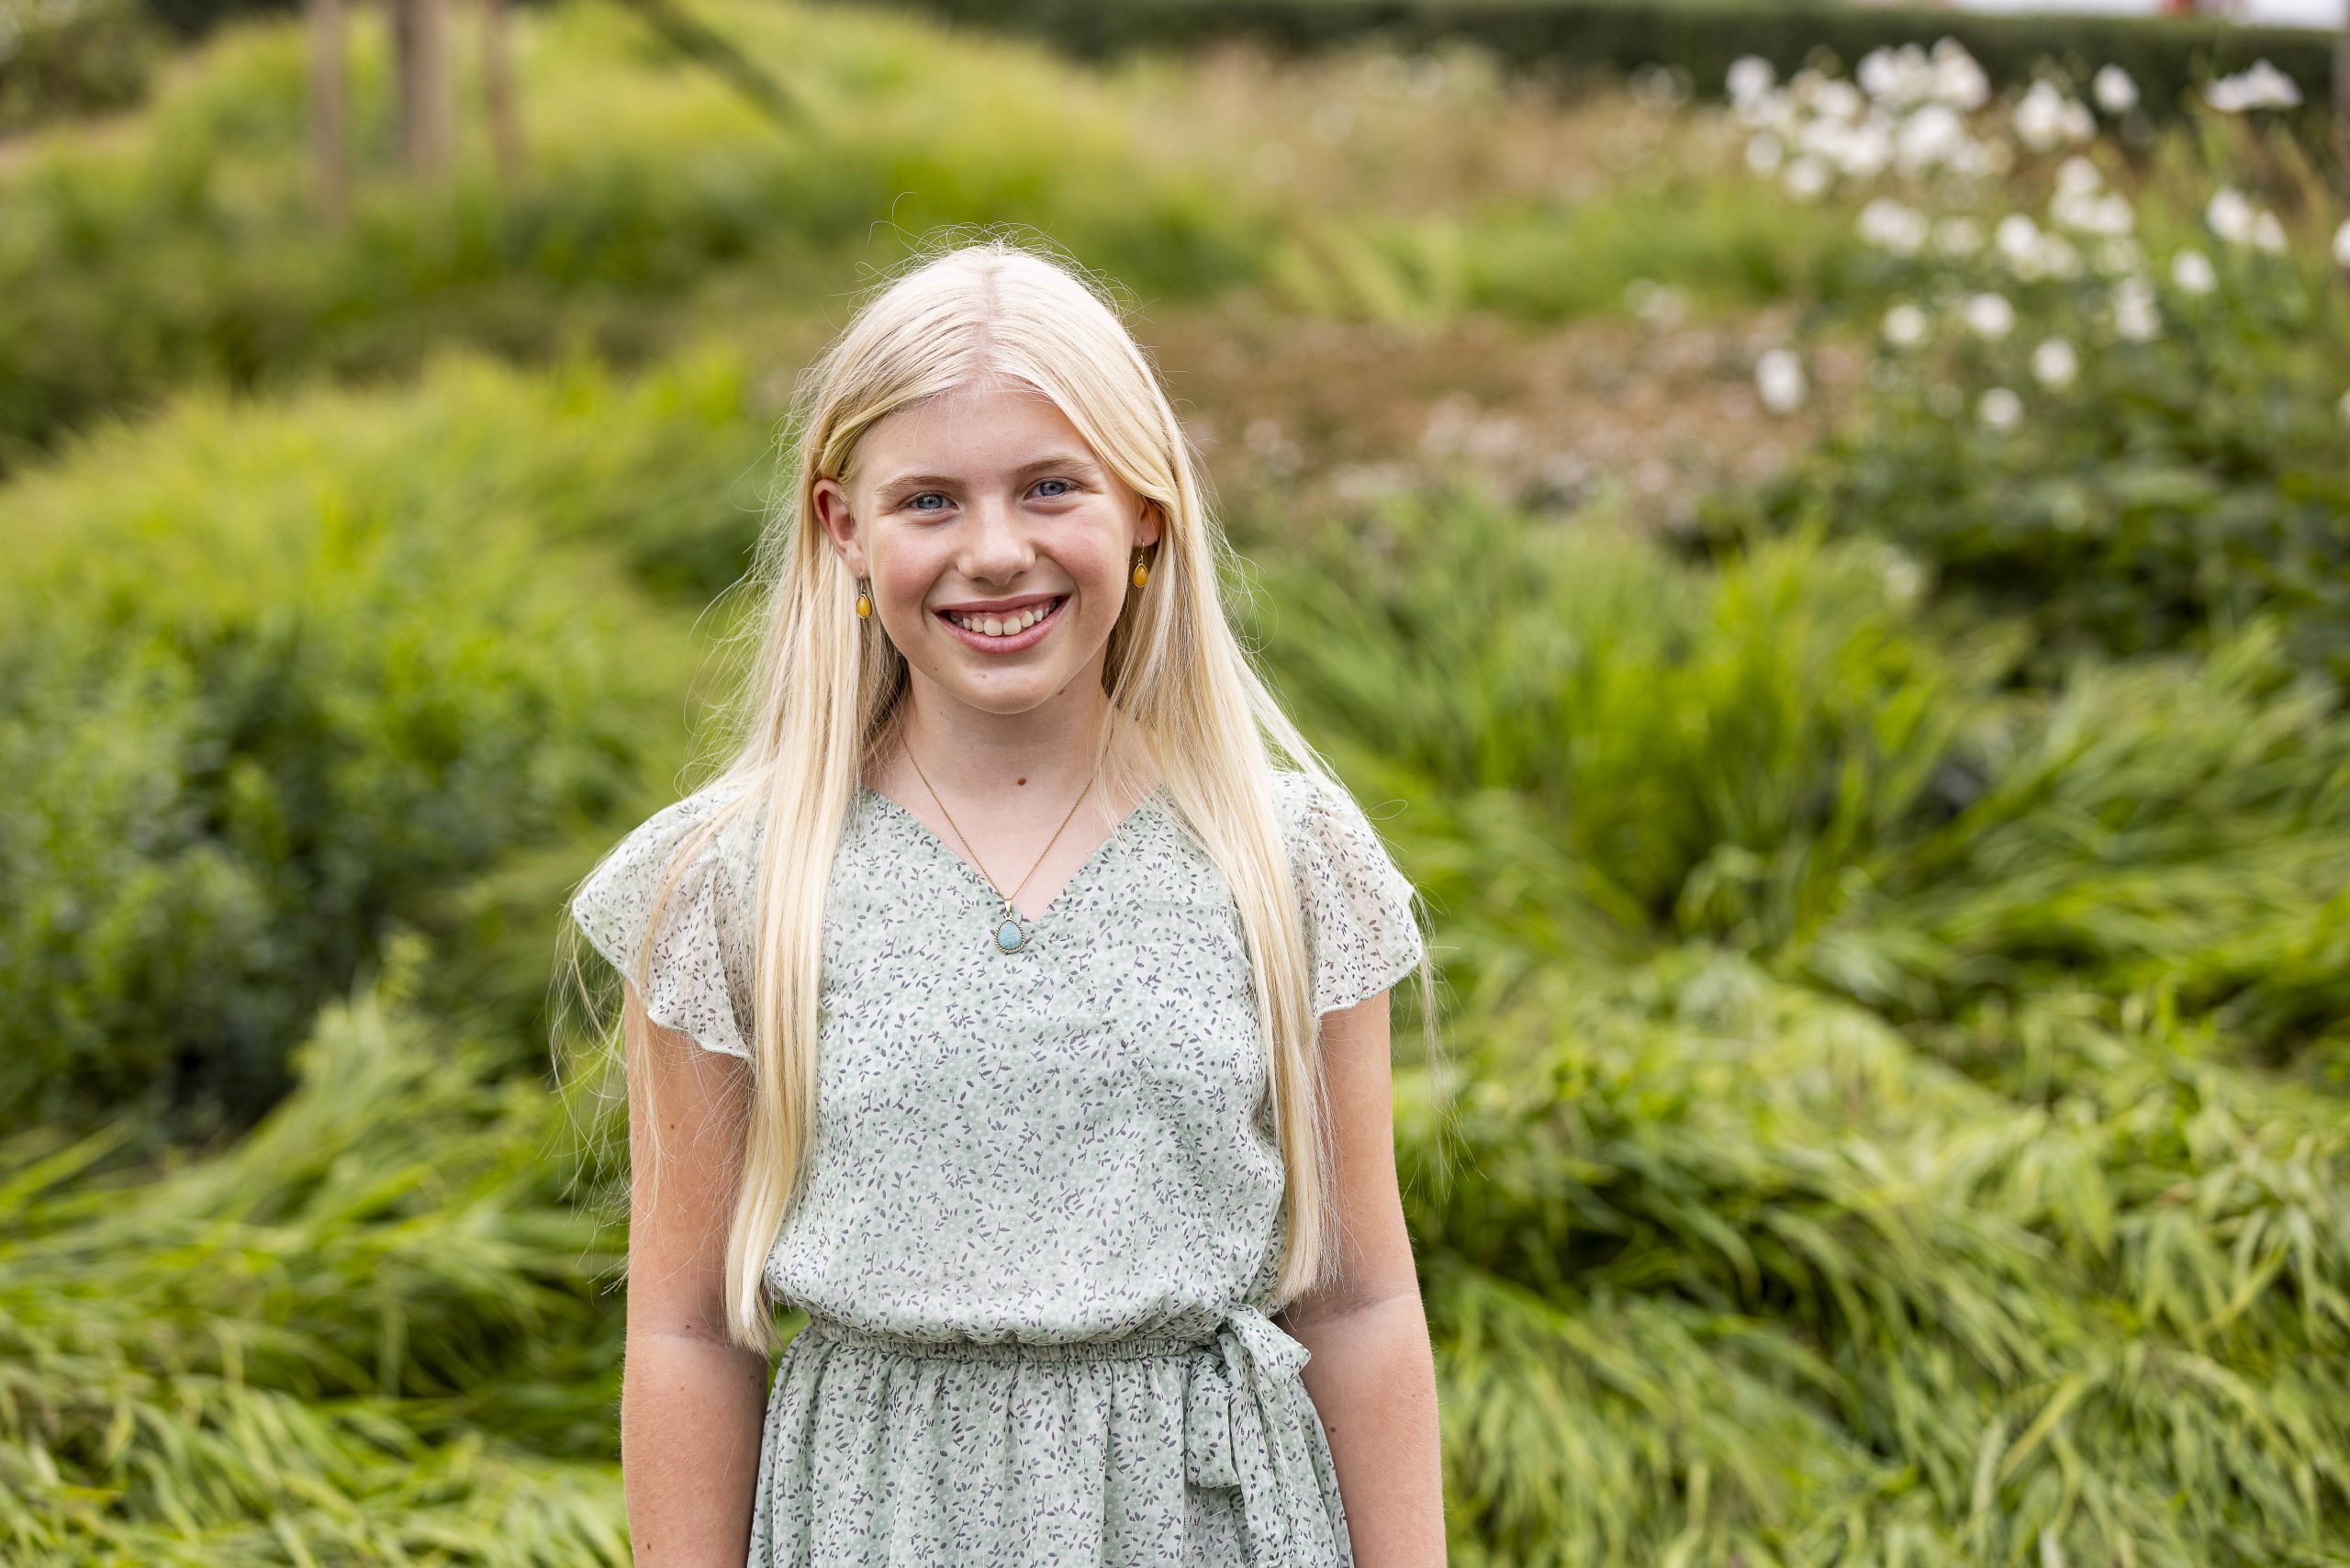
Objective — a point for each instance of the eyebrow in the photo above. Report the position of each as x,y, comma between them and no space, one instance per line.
1051,460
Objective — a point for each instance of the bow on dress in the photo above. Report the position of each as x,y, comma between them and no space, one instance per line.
1246,1420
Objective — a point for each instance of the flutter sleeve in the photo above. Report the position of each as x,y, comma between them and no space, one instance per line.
686,981
1358,904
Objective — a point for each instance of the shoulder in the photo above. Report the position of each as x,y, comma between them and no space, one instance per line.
1359,905
616,896
1318,815
693,968
1333,845
652,844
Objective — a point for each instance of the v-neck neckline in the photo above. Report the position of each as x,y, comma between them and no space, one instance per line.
973,875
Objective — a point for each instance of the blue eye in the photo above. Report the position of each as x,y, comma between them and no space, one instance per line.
1042,482
925,495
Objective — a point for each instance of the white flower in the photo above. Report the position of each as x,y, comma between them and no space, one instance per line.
1989,315
1958,81
2134,317
1896,75
2231,214
2116,93
2056,256
1929,137
2077,177
2343,407
2017,237
2054,364
2267,233
1660,305
1905,325
1958,237
1778,378
2263,86
1869,148
1764,152
1999,408
1903,576
2192,271
1805,177
2045,118
2341,244
1889,226
1750,77
1837,99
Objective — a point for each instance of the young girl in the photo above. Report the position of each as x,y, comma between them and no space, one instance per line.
1005,1008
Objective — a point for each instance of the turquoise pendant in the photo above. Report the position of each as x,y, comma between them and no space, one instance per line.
1009,936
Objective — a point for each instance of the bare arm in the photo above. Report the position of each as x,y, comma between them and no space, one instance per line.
691,1403
1372,1375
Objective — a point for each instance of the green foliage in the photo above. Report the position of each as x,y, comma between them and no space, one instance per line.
68,57
2178,487
372,1331
1721,1272
655,201
1863,1143
294,671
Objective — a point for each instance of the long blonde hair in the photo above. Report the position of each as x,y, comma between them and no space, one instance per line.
824,692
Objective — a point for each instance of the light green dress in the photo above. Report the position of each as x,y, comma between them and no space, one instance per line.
1038,1245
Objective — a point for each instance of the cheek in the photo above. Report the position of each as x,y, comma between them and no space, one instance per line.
903,573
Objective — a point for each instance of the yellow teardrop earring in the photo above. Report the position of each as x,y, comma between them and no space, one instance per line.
1142,572
864,599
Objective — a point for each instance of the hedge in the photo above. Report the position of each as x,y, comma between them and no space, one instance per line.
2167,56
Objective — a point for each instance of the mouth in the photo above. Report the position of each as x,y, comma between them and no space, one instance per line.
1009,635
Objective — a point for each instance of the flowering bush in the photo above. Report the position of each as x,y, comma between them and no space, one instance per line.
2113,372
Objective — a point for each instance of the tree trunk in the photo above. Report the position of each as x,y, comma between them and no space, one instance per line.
421,52
498,89
330,147
2342,101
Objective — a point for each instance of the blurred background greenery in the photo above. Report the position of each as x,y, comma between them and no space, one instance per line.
1821,535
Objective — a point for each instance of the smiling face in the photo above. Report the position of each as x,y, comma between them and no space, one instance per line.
997,544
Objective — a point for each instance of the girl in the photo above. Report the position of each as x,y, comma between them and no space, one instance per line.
1005,1008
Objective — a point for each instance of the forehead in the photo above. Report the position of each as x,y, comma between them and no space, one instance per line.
974,432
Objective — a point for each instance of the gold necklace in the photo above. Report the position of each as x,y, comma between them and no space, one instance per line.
1010,935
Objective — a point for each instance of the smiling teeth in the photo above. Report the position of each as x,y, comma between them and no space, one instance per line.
1005,625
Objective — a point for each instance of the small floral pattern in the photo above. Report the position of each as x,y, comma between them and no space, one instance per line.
1039,1239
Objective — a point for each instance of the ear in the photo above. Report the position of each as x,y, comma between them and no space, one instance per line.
1149,522
839,523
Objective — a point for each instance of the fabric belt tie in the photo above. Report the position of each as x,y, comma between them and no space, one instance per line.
1244,1415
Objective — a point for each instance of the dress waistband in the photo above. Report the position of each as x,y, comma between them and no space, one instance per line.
1246,1420
1140,1347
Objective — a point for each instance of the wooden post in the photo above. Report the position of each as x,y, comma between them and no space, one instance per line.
330,148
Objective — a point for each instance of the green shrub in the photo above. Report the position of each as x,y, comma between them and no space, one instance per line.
1894,1116
657,204
72,57
2121,417
293,672
1611,754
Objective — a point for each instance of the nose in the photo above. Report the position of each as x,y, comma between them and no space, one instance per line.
996,546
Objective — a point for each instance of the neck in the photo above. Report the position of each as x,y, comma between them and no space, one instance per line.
1041,759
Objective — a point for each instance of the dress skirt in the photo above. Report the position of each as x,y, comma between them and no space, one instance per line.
884,1450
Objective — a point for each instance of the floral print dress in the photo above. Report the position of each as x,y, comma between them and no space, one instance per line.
1038,1243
